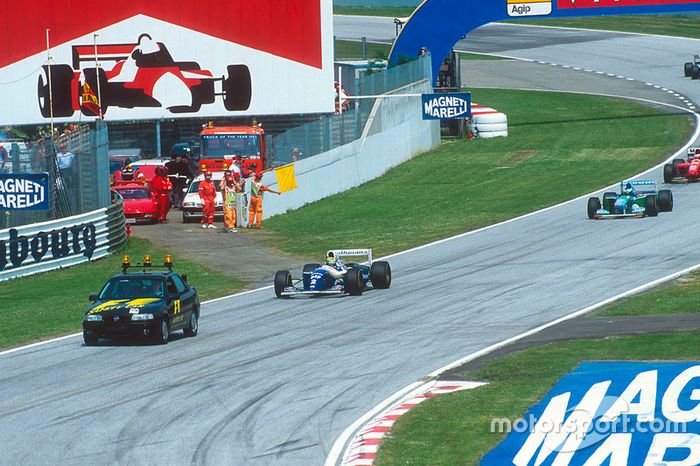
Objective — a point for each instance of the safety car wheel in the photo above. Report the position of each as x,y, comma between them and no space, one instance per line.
380,275
593,206
193,328
668,173
90,339
163,333
652,208
237,88
665,200
306,275
353,282
283,279
687,68
61,79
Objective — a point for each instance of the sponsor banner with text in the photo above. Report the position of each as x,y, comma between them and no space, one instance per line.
24,191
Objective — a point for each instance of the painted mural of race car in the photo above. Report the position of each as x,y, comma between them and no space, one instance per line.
684,170
144,74
317,280
637,198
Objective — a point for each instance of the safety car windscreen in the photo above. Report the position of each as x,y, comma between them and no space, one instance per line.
136,287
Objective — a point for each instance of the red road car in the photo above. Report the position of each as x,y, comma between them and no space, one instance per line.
144,75
684,170
140,204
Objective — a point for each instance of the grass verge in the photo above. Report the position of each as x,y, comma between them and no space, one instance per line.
455,429
559,146
680,296
352,50
52,303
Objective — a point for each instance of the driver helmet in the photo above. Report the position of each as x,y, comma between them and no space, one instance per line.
330,261
207,174
629,189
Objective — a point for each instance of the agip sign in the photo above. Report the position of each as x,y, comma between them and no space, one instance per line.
610,413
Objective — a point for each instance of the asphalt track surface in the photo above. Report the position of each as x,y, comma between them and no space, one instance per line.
276,382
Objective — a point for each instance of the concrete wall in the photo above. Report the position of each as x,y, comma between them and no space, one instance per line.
395,134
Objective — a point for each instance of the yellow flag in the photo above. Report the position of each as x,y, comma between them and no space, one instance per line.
285,178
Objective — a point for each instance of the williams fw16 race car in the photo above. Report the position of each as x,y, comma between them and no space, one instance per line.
148,304
335,276
684,170
144,74
636,199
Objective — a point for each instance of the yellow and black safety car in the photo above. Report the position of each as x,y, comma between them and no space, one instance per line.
147,303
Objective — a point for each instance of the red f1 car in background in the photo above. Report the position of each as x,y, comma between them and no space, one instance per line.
144,75
684,170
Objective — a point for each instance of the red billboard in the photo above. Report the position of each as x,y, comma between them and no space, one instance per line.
135,59
614,3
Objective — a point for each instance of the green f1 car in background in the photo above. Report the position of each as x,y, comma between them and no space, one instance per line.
636,199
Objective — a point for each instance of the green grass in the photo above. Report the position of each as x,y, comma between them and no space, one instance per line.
391,12
455,429
681,296
52,303
667,25
559,146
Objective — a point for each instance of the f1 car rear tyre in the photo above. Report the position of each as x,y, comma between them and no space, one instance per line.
163,333
61,93
380,275
593,206
652,208
306,276
237,88
353,282
695,72
668,173
665,200
283,279
687,68
90,339
192,329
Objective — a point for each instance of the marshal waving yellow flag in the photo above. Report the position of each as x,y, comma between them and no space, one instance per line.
285,178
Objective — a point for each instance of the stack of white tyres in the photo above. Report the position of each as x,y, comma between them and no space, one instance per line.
489,123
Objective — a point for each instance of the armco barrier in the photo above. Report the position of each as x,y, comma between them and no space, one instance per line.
45,246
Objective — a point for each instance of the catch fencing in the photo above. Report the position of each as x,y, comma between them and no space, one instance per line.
329,133
78,167
45,246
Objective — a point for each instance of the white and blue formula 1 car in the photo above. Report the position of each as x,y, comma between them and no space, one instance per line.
335,277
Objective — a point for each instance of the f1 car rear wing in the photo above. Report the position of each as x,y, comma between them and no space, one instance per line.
337,253
641,186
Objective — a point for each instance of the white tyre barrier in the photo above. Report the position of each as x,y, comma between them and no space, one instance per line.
493,134
490,118
490,127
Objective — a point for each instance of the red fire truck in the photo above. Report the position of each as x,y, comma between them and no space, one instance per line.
220,144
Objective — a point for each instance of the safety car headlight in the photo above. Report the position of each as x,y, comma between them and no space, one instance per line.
93,318
189,204
142,317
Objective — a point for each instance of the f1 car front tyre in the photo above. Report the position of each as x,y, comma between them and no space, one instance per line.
90,339
61,92
668,173
593,206
652,207
283,279
353,282
665,200
193,327
237,88
687,69
380,275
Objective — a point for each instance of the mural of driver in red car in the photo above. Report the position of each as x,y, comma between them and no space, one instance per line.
144,74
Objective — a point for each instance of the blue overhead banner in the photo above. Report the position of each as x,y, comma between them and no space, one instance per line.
438,25
24,191
609,413
447,106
